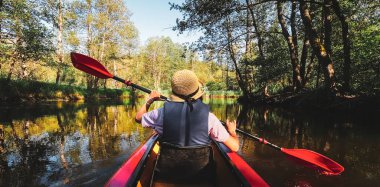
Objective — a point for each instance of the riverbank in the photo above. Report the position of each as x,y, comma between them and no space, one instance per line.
320,99
33,91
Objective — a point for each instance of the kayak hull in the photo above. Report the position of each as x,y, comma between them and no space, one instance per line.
230,169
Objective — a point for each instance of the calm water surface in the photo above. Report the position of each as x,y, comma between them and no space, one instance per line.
55,144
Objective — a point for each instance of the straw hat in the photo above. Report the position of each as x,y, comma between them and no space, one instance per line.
185,83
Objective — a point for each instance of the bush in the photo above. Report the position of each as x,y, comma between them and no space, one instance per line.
216,86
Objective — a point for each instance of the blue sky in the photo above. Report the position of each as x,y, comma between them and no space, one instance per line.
154,18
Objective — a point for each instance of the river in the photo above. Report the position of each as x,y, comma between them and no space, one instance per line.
83,144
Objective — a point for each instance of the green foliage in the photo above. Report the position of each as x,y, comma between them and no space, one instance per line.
234,31
24,36
366,72
157,61
216,86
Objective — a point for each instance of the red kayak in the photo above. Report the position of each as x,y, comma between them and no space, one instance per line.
230,169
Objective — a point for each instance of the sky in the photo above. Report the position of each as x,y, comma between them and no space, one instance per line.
154,18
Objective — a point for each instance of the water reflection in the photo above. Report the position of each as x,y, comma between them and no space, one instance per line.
43,148
84,144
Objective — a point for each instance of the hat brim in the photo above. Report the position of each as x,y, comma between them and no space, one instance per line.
199,94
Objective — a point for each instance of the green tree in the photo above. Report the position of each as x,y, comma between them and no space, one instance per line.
24,37
110,35
161,58
53,11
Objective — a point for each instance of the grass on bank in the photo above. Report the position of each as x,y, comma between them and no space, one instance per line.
19,90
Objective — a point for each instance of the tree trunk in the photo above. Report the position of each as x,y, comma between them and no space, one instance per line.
260,42
227,84
248,36
115,73
1,10
89,78
102,47
11,69
292,46
239,77
96,82
327,19
24,72
318,48
2,147
293,25
158,74
89,81
308,69
346,46
102,56
318,75
92,79
89,27
60,45
159,80
14,57
265,91
305,48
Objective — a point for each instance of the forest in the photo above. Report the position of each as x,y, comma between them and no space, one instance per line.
304,74
263,49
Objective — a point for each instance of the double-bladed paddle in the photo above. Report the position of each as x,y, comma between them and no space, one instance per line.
93,67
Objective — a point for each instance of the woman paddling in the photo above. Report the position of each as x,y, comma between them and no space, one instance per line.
186,126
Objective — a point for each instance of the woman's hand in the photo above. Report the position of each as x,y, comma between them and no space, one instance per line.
233,141
153,96
231,127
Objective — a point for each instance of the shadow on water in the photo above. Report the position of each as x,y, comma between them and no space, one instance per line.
351,140
84,144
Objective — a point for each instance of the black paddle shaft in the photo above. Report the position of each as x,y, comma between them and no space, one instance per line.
261,140
129,83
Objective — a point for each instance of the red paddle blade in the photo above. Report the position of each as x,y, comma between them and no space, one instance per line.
89,65
329,166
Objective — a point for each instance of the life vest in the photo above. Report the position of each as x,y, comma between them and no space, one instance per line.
184,128
185,152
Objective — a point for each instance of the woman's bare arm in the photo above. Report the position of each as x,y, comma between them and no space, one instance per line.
153,96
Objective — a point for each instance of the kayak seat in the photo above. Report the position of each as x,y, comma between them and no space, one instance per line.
189,165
